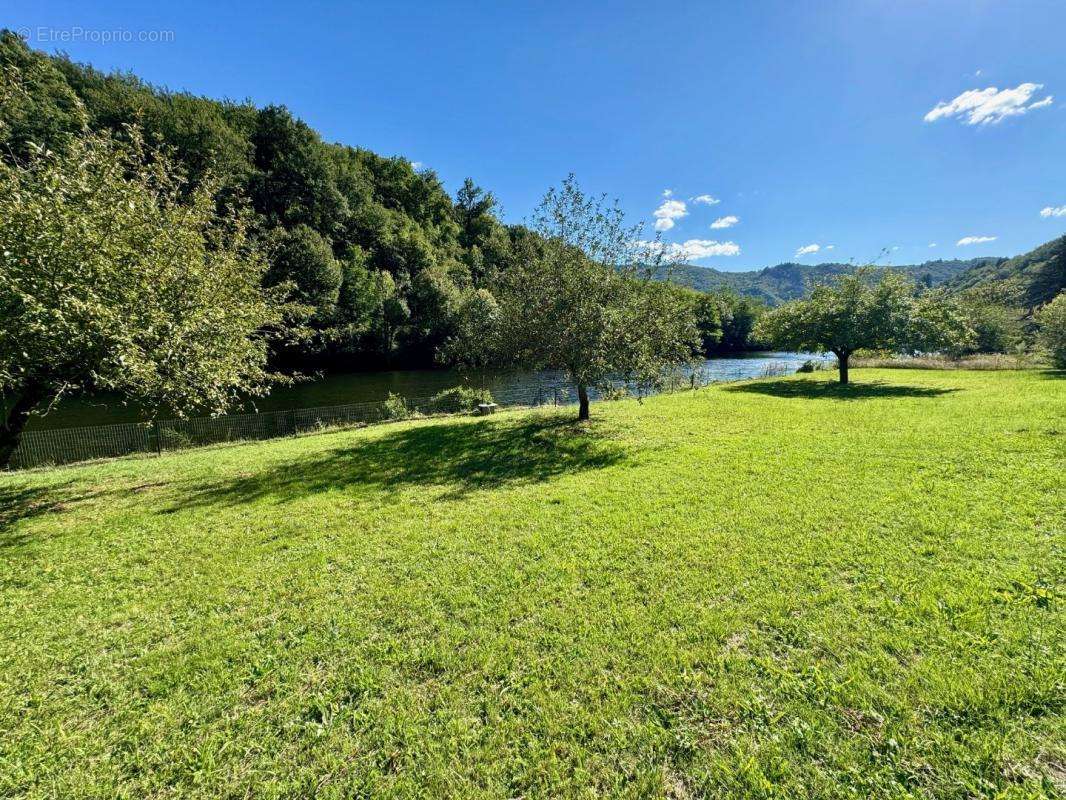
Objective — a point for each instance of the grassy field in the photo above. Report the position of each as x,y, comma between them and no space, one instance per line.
771,589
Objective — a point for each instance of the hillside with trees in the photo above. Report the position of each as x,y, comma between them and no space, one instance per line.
1028,281
791,281
379,249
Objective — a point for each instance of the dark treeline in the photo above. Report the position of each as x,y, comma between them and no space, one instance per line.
380,250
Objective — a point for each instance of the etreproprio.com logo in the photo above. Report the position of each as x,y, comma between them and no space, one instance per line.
45,34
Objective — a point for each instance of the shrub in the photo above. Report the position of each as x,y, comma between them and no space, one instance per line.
458,400
810,365
396,407
1052,336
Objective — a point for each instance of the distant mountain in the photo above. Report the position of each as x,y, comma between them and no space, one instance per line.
790,281
1028,280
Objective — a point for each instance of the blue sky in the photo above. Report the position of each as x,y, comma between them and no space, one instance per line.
808,122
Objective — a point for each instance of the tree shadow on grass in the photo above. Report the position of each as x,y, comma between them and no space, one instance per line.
459,458
833,390
19,503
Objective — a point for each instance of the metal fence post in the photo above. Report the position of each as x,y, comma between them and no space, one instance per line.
158,437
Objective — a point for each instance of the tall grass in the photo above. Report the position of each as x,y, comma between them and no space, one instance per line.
985,361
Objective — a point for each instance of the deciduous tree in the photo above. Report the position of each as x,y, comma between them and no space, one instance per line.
113,276
854,314
580,298
1052,333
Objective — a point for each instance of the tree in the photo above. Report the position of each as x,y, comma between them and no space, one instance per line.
113,276
708,312
1052,334
997,328
576,301
852,314
739,315
302,258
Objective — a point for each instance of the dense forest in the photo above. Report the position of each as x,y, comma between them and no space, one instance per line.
381,252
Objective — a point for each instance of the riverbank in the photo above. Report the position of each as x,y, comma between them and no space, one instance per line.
345,388
840,591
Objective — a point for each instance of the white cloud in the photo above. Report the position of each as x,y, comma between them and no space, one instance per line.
668,192
989,106
807,250
968,240
705,248
932,244
705,199
416,165
725,222
692,249
1053,211
830,247
669,211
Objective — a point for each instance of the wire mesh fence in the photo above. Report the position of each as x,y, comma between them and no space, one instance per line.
39,448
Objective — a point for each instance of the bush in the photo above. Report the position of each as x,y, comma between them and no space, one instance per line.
396,407
458,400
1052,335
997,329
810,365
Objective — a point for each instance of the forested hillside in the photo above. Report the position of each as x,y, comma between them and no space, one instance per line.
379,249
791,281
1027,281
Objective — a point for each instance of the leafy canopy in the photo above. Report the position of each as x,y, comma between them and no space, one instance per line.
1052,335
114,276
576,301
854,314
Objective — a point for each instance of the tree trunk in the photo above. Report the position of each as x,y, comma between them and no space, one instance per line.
583,400
842,359
17,417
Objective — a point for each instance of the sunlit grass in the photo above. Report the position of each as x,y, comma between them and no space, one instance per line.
781,588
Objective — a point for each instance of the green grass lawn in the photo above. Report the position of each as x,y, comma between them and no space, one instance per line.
771,589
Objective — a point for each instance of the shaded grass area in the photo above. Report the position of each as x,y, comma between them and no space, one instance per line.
755,591
834,390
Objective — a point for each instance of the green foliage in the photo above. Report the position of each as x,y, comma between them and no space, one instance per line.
36,103
996,327
708,595
1052,335
739,315
1029,280
573,302
854,315
395,407
458,400
113,276
302,259
708,312
307,197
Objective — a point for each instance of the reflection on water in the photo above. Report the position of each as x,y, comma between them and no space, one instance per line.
360,387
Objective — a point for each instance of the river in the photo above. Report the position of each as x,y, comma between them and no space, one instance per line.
360,387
